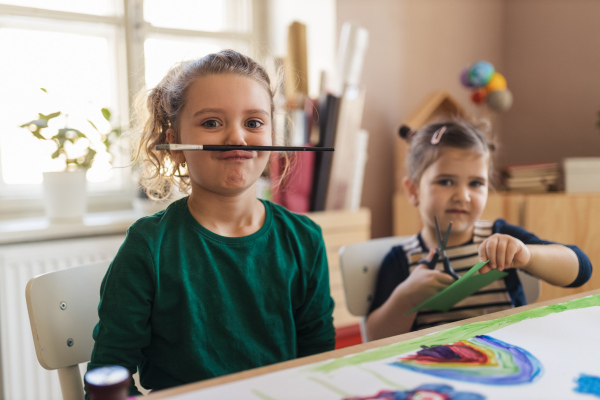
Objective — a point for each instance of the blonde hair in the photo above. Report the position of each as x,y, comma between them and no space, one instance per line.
160,108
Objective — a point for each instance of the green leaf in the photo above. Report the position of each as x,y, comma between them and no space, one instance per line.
38,134
79,134
49,116
93,126
40,123
106,113
61,134
56,154
43,90
89,158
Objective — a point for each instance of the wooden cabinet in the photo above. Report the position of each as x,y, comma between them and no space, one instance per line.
341,228
561,217
506,205
569,219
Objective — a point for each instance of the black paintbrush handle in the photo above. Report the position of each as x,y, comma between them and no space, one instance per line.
218,147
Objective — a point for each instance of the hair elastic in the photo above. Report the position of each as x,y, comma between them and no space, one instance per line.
437,136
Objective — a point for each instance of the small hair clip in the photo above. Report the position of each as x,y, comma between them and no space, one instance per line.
437,136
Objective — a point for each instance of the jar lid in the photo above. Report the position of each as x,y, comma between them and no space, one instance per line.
107,376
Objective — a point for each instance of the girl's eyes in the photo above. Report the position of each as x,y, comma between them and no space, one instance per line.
211,123
254,124
445,182
450,182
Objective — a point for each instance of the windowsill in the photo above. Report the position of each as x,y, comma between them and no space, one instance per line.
41,228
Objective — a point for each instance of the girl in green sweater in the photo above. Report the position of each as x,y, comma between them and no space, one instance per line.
219,281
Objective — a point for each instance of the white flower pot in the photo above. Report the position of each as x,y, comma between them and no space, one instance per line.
65,195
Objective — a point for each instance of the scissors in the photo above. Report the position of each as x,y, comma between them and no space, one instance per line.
441,251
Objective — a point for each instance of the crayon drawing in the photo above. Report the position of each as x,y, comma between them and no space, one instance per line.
547,352
588,384
481,359
424,392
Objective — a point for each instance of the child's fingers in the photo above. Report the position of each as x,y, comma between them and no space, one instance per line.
445,279
487,251
521,254
483,252
501,251
428,259
429,277
511,250
430,254
484,269
501,254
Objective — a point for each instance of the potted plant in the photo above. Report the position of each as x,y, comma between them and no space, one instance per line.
65,191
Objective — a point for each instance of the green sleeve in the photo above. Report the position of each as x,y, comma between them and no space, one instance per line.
126,297
315,331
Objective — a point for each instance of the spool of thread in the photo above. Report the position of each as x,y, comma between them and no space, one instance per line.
107,383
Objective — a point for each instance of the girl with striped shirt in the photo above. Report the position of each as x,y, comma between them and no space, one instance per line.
448,172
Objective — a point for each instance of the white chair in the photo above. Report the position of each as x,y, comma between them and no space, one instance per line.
63,310
360,262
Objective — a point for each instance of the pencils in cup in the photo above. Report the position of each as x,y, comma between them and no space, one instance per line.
218,147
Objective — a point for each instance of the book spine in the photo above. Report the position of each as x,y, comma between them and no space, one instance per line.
328,113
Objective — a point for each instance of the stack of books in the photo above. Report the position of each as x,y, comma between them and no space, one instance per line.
532,178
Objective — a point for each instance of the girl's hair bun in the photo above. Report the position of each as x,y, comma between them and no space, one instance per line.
405,132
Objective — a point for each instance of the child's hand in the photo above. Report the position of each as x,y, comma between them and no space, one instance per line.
422,283
503,251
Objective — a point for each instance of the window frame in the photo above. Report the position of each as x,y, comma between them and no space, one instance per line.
131,31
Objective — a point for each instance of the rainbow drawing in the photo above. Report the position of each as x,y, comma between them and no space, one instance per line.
480,359
430,391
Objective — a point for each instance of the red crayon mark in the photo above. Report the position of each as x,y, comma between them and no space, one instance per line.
452,353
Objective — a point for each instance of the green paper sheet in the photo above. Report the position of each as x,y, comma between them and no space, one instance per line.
468,284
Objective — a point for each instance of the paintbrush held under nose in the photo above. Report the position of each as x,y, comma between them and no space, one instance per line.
218,147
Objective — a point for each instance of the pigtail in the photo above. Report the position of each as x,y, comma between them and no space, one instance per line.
406,133
159,172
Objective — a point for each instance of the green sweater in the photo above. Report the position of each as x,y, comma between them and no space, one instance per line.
184,304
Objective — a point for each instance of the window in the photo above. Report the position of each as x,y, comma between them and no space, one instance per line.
87,55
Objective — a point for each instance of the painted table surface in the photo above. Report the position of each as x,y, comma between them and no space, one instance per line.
547,350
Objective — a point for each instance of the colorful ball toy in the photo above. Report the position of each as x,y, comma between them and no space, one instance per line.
478,96
487,86
496,82
480,73
499,100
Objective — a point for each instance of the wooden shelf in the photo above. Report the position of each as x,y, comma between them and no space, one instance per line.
561,217
341,228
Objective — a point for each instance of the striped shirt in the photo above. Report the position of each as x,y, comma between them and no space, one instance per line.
499,295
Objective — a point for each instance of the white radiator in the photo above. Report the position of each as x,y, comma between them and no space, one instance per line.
21,376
